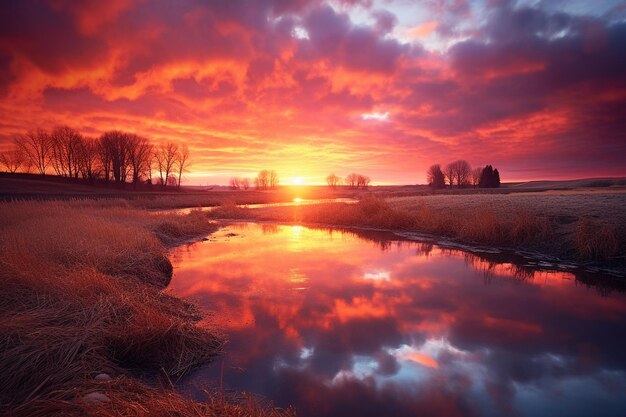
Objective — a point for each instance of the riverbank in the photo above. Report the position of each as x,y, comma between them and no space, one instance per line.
86,326
586,228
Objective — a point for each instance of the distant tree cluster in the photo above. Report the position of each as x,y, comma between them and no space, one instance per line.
238,183
115,156
333,180
435,176
489,178
353,180
357,181
266,179
461,174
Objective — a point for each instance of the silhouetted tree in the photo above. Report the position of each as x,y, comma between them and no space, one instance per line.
140,153
273,179
460,172
261,180
13,159
166,156
352,180
266,179
363,181
117,148
355,180
449,174
436,178
65,145
485,177
489,177
36,146
245,183
476,174
87,156
332,180
103,148
182,162
235,183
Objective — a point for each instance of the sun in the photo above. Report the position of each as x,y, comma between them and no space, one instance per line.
297,181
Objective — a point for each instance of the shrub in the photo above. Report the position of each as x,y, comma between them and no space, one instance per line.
529,228
595,241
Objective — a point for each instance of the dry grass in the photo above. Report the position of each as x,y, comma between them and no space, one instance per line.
539,222
81,295
127,397
595,241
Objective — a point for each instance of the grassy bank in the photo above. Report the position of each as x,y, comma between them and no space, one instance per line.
85,320
587,228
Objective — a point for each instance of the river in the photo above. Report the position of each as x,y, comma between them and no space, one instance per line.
339,323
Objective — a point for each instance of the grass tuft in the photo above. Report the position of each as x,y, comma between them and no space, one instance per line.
595,241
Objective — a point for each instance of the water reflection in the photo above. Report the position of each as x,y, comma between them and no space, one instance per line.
340,324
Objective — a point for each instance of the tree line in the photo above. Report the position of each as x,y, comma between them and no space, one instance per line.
265,180
461,173
353,180
116,156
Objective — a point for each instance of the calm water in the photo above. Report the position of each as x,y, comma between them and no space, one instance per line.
338,324
295,202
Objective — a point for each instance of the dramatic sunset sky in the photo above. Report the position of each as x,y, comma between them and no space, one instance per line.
307,87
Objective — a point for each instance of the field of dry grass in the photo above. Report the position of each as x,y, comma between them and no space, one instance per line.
81,297
587,226
12,189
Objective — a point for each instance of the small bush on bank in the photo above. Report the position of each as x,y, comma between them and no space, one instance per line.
595,241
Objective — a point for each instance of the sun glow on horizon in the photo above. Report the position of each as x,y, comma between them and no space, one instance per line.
297,181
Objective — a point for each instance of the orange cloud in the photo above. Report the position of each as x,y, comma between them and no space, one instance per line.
422,31
245,94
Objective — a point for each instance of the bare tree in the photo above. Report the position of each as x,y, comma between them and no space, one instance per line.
435,176
352,180
262,180
103,148
36,146
139,155
273,179
65,143
363,181
87,157
476,174
235,183
13,159
332,180
357,180
166,155
462,172
245,183
449,173
117,149
182,162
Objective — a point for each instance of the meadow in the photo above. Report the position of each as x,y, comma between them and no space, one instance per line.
585,226
87,328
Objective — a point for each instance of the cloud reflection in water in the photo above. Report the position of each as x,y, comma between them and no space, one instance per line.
327,321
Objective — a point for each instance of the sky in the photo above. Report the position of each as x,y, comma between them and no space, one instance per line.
386,88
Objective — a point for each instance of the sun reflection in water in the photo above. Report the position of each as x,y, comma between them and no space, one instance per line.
323,310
